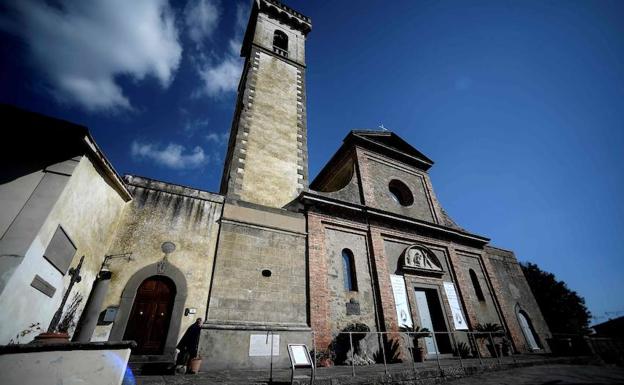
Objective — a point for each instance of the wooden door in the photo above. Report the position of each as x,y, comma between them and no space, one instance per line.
151,313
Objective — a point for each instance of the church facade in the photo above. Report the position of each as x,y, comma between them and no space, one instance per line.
269,256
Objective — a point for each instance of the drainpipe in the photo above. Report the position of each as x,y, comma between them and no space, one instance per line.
91,313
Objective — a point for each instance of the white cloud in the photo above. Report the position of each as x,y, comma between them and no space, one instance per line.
221,76
81,46
242,16
194,125
202,18
173,155
218,138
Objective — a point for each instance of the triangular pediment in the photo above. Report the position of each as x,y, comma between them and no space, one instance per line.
392,144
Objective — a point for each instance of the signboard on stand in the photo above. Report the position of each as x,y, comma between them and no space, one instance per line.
300,359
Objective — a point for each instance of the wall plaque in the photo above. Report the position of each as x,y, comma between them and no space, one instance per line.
260,345
400,300
458,315
353,307
43,286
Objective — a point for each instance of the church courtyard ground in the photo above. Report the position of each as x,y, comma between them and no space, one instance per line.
525,370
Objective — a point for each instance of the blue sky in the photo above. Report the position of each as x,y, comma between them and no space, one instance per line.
520,103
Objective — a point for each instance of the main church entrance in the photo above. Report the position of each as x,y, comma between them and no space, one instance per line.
151,313
432,318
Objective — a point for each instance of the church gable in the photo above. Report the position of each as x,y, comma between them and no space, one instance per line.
380,170
391,145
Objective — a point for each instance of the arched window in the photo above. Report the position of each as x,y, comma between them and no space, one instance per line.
529,333
400,193
280,42
477,286
348,270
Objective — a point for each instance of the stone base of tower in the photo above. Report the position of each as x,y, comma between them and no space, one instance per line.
248,346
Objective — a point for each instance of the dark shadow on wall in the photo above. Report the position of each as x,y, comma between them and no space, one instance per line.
33,142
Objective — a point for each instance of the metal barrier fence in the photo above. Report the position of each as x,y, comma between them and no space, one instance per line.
452,348
355,351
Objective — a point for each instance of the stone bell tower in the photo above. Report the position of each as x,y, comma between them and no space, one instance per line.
267,159
259,283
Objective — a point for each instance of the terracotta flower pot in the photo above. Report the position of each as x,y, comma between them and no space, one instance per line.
325,362
52,338
419,354
194,365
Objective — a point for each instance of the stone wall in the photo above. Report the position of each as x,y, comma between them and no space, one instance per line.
39,365
514,294
259,286
268,164
265,30
162,212
377,172
484,311
338,238
267,240
88,208
341,182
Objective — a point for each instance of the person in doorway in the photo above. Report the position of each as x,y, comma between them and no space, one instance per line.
189,344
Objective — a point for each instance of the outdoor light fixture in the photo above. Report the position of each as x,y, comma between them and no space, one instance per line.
168,247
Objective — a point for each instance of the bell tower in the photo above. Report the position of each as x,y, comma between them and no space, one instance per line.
267,158
259,279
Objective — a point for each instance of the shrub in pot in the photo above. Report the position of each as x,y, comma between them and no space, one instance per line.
491,333
416,333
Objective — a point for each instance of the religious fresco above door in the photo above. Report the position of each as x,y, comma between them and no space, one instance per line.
418,259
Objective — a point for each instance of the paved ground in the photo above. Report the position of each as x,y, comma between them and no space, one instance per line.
548,375
520,370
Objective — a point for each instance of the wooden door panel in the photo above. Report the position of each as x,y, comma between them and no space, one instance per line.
151,314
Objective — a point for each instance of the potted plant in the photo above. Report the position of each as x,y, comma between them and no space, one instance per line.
31,329
59,333
195,364
325,358
416,333
491,332
506,346
349,338
463,350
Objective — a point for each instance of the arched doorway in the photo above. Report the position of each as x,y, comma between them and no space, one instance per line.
149,319
527,329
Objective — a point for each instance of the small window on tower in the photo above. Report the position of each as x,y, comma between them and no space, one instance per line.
280,43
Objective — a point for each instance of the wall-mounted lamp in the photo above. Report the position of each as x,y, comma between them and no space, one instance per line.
167,248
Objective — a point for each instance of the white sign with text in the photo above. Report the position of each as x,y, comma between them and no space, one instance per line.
404,317
458,316
260,345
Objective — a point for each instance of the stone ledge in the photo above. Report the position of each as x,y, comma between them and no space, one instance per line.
68,346
233,325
